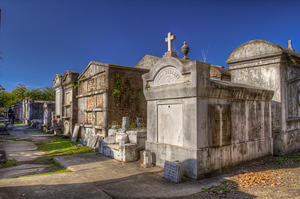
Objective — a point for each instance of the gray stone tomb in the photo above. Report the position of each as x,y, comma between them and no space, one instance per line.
193,118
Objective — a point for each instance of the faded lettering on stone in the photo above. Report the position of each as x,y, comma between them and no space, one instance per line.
173,171
168,75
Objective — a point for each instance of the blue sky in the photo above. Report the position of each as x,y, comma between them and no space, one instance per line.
41,38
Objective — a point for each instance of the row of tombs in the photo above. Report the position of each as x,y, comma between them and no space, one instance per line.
207,117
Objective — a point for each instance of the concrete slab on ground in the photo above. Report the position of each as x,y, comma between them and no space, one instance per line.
65,185
21,151
21,170
23,132
129,180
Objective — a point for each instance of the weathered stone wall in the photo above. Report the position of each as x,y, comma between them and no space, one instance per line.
269,66
103,99
125,96
70,102
92,91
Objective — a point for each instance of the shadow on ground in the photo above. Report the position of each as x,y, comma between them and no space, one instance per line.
137,186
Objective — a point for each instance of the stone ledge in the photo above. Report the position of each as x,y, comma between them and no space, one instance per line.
92,93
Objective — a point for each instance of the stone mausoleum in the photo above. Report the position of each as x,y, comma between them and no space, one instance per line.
269,66
66,103
107,93
204,122
33,110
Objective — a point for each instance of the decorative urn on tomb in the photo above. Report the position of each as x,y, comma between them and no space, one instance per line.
185,50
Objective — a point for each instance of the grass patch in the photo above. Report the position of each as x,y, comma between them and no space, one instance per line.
43,131
19,124
225,187
293,157
8,163
41,174
15,124
60,146
18,139
49,173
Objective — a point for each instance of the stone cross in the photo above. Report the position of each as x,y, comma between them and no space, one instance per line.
170,39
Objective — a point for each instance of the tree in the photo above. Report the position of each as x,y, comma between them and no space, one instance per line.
2,88
48,93
4,98
20,92
35,94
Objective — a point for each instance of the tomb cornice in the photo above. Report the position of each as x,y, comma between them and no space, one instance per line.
254,48
258,57
293,80
255,63
229,90
107,65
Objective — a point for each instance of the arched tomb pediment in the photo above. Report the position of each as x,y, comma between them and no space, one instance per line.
167,75
57,80
165,72
254,49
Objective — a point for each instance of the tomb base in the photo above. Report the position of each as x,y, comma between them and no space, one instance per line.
286,142
197,162
123,146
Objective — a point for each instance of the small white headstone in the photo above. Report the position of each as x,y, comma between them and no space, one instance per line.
75,133
147,159
125,123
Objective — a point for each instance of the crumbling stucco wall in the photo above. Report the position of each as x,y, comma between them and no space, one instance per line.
271,66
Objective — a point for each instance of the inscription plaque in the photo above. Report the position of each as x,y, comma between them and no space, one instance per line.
173,171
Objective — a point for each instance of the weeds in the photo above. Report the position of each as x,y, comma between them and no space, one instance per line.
8,163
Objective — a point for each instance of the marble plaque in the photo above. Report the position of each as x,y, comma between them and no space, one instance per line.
90,102
82,88
173,171
91,85
68,98
66,128
90,118
170,122
99,118
99,101
101,83
82,117
57,102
